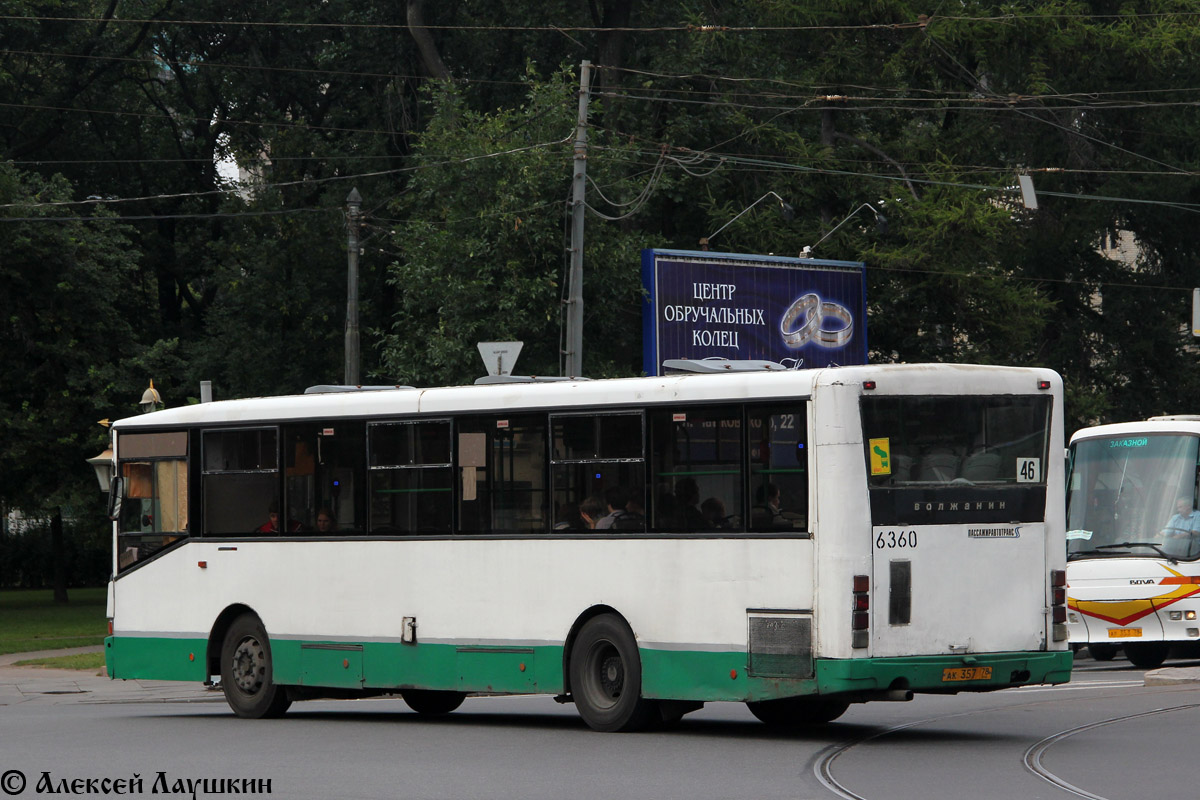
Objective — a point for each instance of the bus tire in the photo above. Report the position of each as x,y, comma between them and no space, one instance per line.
1102,652
1147,655
246,671
606,677
430,703
793,712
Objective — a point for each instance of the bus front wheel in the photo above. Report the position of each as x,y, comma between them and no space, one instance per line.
246,671
606,677
790,712
1147,655
432,703
1102,652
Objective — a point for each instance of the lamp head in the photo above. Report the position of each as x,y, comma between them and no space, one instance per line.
151,399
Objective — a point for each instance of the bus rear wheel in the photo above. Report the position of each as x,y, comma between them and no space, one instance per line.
792,712
431,703
246,671
606,677
1147,655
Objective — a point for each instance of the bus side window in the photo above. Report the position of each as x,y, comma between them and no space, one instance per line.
501,475
241,480
154,511
777,452
696,457
598,459
324,466
410,476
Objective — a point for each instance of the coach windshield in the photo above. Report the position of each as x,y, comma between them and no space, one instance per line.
1134,496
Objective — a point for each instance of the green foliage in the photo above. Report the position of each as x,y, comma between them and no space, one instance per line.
466,186
79,661
26,561
31,620
64,290
489,264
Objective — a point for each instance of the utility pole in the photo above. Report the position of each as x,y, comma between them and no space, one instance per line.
353,205
574,344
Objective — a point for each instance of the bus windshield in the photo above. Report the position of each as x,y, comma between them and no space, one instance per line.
1133,496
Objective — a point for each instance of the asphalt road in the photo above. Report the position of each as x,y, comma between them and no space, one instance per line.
1105,735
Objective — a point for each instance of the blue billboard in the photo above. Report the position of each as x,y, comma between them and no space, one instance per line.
804,311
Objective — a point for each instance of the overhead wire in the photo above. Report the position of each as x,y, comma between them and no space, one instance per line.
1079,99
920,23
311,181
980,86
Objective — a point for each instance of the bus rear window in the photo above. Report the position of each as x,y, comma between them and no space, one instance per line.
925,442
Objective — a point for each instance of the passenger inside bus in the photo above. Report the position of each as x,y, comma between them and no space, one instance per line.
687,505
1183,527
325,521
590,510
713,510
634,518
767,512
273,523
615,499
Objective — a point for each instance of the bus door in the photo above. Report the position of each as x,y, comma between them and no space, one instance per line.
958,507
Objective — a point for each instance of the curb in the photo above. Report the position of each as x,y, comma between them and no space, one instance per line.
1172,676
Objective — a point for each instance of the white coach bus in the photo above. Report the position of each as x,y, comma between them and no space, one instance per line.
797,540
1133,538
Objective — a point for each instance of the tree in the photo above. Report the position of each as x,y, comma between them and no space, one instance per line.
489,264
64,285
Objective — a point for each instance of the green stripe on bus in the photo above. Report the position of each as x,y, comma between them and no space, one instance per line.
155,658
666,674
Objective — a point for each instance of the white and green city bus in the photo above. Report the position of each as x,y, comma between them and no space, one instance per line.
797,540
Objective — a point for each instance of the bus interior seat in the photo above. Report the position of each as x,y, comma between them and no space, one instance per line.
938,467
982,466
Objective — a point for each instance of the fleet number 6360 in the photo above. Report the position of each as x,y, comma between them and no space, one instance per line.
892,539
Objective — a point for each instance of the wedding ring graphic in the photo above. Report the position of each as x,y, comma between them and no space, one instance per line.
809,314
835,337
807,310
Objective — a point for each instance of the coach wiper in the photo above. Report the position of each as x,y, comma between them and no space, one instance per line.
1152,545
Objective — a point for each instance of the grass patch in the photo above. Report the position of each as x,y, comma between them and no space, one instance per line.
30,620
89,661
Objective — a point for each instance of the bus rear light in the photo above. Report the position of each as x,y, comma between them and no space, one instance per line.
1058,604
860,618
869,385
110,628
1043,385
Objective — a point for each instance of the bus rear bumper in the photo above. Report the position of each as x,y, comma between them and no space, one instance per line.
948,674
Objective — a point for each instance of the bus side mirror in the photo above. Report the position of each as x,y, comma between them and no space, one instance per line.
116,492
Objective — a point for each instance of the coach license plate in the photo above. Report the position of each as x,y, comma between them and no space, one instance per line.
1124,633
966,674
